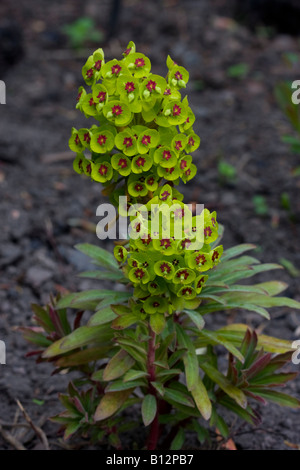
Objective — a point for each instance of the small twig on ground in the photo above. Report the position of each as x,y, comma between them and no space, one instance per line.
39,432
8,437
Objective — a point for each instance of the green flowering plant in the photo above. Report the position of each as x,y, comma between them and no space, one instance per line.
145,343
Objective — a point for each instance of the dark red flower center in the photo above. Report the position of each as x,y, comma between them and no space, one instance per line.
165,268
89,73
207,232
122,163
127,51
139,273
150,181
128,142
77,140
183,164
191,141
156,304
176,110
102,139
103,170
187,291
146,140
215,256
140,161
164,195
147,240
165,243
170,170
121,254
117,110
200,259
139,187
200,282
185,243
178,145
129,87
167,91
166,155
139,62
79,96
178,75
116,69
89,168
151,85
183,273
98,64
86,137
101,96
92,102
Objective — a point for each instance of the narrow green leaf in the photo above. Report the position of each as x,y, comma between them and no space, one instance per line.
84,357
124,321
118,365
157,322
191,369
87,299
119,385
225,385
178,397
34,337
71,429
134,374
107,275
78,338
216,338
201,398
99,255
237,250
236,333
277,397
246,414
159,388
149,409
106,315
196,318
178,440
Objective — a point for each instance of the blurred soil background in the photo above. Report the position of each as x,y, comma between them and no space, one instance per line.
235,55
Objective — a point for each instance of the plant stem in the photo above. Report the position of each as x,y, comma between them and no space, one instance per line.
154,429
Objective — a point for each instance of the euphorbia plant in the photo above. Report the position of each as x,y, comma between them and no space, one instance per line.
146,343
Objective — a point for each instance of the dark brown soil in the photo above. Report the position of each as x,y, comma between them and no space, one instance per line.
46,209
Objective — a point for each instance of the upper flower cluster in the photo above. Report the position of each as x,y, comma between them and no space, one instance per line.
140,148
144,132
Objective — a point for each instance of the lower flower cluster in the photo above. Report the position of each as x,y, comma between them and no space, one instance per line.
168,253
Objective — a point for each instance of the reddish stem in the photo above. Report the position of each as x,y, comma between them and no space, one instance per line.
154,429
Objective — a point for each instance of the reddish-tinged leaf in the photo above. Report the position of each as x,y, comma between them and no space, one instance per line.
277,397
110,403
258,366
